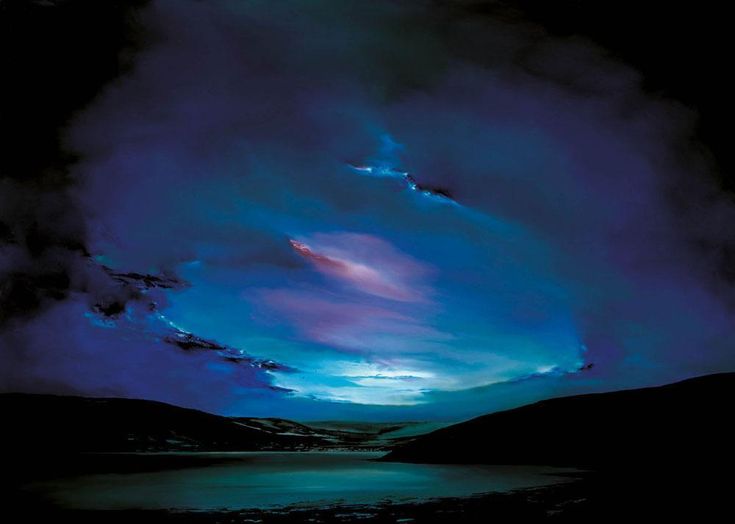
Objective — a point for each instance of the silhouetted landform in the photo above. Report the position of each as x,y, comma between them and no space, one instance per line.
686,422
49,423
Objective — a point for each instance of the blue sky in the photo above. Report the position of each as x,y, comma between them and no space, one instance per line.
415,216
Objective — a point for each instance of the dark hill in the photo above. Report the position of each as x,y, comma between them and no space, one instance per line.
683,423
48,423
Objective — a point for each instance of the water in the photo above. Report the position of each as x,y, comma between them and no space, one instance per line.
267,480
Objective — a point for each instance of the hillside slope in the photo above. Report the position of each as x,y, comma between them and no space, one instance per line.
686,422
47,422
70,424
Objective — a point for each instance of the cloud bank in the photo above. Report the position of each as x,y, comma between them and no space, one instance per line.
401,204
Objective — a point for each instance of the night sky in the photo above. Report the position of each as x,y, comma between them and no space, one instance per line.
365,210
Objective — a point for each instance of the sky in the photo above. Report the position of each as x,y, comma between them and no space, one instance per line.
369,210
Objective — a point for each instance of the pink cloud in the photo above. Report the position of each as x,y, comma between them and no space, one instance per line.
366,263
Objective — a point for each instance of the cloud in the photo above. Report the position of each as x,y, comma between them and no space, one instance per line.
350,325
449,202
366,263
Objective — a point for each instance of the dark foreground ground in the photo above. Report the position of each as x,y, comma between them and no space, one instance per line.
684,495
663,454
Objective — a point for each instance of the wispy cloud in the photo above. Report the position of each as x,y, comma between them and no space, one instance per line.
366,263
337,321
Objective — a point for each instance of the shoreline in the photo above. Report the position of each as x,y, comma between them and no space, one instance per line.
683,494
530,504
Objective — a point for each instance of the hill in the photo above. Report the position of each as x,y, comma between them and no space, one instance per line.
684,423
49,423
62,423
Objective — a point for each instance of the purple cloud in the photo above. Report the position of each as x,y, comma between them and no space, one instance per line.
336,321
366,263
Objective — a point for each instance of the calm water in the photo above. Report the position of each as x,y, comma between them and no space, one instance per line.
263,480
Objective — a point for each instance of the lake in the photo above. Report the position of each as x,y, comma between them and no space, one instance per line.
213,481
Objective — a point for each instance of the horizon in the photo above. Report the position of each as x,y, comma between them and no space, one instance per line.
446,421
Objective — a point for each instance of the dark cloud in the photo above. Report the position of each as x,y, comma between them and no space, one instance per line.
46,272
50,72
